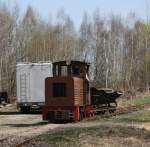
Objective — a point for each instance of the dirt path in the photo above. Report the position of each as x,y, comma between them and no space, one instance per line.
17,128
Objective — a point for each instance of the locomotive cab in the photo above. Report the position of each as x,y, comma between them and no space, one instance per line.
67,94
73,68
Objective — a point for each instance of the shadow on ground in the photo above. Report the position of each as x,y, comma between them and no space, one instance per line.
18,113
26,125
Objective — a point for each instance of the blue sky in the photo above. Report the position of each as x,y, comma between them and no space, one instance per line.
76,8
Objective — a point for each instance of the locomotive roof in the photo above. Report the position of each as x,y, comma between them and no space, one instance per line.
72,62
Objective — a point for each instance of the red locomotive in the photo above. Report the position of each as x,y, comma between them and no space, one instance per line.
68,94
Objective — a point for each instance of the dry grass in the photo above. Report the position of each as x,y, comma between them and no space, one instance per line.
102,135
141,116
112,132
9,108
134,101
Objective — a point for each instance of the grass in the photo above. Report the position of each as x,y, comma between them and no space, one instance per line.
112,131
141,116
135,101
9,108
75,137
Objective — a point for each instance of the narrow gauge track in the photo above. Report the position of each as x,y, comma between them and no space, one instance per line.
119,111
125,110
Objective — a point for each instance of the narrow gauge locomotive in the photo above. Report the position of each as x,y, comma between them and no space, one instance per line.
68,94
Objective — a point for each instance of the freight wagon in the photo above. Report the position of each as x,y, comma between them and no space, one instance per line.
31,85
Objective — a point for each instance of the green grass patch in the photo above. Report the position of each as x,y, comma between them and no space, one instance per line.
108,128
74,137
142,116
68,137
136,101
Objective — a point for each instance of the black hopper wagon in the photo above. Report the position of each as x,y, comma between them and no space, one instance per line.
104,100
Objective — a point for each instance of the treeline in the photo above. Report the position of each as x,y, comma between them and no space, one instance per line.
118,49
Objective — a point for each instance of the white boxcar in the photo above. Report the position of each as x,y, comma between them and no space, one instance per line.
31,84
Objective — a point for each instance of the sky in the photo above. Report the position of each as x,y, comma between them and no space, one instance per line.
76,8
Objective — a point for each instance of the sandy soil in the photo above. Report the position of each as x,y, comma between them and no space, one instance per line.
16,128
